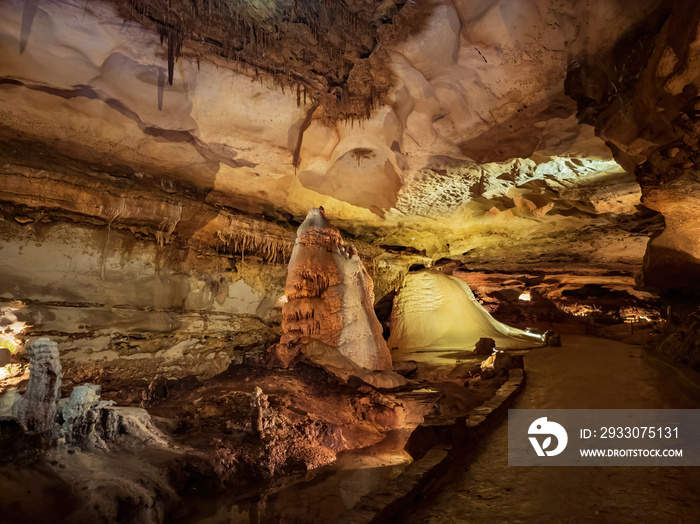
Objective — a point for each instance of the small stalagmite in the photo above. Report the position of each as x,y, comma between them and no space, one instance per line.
330,296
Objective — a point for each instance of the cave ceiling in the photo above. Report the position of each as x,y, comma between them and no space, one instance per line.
497,133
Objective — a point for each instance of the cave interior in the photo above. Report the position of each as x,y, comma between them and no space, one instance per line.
293,260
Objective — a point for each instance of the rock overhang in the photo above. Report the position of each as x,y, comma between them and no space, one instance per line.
473,147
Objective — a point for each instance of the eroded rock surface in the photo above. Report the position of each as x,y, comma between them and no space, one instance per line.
37,409
167,163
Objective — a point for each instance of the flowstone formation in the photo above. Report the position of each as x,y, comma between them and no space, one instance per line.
330,296
90,423
437,311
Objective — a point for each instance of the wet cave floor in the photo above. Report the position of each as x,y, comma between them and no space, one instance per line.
586,373
325,494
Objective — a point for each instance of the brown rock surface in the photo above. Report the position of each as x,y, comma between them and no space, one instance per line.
484,346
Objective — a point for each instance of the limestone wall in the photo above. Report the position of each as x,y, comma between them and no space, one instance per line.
129,309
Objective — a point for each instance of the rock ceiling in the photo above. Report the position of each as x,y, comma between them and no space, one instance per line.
502,134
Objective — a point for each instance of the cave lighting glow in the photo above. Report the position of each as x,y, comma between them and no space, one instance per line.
525,295
13,327
10,337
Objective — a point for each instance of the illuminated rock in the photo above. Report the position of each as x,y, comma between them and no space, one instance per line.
437,311
331,296
500,361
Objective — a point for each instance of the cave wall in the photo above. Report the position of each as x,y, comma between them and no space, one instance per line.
643,101
127,309
128,286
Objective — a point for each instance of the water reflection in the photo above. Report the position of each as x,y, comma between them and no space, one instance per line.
320,496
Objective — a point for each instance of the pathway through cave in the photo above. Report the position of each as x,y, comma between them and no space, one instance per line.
585,373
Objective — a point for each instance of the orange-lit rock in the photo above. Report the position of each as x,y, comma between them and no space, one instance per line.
331,296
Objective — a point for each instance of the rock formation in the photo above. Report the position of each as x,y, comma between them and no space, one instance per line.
93,424
484,346
509,138
499,362
330,296
37,409
437,311
82,420
260,407
9,403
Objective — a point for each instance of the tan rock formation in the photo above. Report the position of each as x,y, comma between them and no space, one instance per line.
331,296
437,311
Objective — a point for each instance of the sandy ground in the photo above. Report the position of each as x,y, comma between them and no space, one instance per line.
585,373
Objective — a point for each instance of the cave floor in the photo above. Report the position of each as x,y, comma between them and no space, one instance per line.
584,373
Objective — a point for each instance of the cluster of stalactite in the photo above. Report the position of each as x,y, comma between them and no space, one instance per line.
300,321
293,43
270,248
303,311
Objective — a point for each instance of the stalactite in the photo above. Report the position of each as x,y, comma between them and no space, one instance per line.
171,58
233,29
270,249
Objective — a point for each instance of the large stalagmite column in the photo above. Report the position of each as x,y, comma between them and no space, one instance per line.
330,296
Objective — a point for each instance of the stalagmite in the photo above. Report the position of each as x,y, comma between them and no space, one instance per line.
37,409
260,408
331,296
93,424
